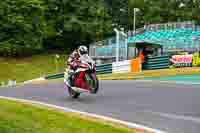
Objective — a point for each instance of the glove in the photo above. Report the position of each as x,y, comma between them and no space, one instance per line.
74,65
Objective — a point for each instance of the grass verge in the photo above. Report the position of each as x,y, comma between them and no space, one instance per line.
23,118
29,68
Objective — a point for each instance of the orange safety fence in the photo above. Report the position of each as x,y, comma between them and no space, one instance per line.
136,65
141,56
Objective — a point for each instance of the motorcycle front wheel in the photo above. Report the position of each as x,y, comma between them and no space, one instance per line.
72,93
95,85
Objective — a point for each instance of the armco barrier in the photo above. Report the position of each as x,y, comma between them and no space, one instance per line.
101,69
127,66
116,67
157,62
104,69
121,67
55,76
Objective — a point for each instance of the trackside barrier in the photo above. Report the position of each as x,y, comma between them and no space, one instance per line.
121,67
101,69
127,66
196,59
136,65
157,62
55,76
116,67
104,69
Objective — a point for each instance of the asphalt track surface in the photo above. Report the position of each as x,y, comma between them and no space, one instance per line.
170,107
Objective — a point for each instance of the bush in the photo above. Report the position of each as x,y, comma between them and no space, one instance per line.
22,27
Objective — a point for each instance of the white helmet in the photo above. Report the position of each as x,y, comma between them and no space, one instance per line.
82,50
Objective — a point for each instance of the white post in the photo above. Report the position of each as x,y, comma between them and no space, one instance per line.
117,44
126,42
56,62
134,20
117,47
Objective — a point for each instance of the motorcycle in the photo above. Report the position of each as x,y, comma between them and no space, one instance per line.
87,71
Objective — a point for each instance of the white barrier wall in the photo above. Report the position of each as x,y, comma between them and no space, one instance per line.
121,67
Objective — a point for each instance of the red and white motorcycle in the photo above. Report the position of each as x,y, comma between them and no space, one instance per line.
87,72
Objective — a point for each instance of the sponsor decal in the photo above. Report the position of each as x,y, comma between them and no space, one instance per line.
186,60
182,60
196,59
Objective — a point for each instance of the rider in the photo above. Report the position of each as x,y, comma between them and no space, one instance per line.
73,61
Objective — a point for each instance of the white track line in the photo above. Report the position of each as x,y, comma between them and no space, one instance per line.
170,82
34,80
178,117
129,124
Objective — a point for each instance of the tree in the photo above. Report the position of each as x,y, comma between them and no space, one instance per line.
22,26
78,21
32,25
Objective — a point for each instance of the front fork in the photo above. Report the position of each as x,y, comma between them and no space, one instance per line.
91,80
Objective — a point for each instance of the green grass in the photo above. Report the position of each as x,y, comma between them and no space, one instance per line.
29,68
22,118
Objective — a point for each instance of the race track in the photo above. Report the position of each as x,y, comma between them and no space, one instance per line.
170,107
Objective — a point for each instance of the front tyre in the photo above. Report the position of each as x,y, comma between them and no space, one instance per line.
72,93
95,86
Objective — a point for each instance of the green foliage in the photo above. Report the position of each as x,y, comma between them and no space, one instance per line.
75,22
28,25
21,26
154,11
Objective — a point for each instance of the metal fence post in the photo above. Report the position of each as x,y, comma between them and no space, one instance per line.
117,44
